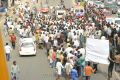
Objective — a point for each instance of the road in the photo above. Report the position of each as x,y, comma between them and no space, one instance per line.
33,67
37,67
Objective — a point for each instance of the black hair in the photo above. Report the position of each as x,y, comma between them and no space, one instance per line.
6,43
88,63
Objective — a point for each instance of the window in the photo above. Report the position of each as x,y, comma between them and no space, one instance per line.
60,13
117,21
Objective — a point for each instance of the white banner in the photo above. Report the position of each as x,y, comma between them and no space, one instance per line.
97,51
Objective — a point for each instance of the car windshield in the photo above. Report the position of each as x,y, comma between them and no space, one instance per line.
117,21
109,20
27,45
45,6
110,0
98,2
77,10
107,13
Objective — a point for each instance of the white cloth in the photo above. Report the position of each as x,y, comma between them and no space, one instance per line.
97,51
82,51
76,43
7,49
68,68
68,50
15,71
55,43
59,67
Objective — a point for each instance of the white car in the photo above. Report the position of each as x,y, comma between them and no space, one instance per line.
117,21
99,4
60,13
118,2
27,46
110,20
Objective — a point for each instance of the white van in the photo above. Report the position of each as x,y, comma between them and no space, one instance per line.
60,13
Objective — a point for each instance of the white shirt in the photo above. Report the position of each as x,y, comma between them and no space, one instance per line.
68,50
59,67
55,43
46,38
7,49
76,43
82,51
68,68
14,69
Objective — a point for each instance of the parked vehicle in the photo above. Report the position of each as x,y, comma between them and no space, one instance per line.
3,9
99,4
118,2
44,9
112,7
60,13
110,20
117,21
27,46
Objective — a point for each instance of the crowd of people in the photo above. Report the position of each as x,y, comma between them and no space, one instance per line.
64,39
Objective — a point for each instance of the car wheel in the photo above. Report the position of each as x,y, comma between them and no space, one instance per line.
20,55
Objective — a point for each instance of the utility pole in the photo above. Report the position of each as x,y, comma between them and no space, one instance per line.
4,75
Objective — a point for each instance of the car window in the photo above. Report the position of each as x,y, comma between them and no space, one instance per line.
117,21
45,6
27,45
109,20
77,10
60,13
110,0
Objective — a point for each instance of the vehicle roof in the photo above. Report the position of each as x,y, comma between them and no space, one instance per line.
45,6
117,18
110,19
27,40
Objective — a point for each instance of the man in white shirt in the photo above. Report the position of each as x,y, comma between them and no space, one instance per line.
15,71
76,43
59,67
82,51
68,49
8,51
68,68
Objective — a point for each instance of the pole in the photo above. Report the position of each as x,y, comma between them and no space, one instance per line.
4,75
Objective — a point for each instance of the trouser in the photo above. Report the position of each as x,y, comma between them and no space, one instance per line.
47,52
8,56
87,77
53,63
13,45
40,45
95,67
14,76
78,70
82,71
74,78
110,69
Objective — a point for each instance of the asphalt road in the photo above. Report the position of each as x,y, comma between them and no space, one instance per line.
37,67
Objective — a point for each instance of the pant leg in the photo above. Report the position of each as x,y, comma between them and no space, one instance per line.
53,64
82,71
110,69
7,57
87,78
13,45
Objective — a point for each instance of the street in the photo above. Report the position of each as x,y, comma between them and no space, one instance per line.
37,67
